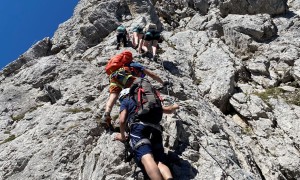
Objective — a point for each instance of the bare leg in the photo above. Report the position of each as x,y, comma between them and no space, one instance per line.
111,101
164,170
154,47
140,36
151,167
140,46
135,39
145,46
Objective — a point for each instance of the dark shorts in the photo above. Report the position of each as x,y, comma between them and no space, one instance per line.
151,36
121,36
138,30
156,148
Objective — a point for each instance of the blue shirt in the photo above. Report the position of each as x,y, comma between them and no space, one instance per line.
129,104
137,132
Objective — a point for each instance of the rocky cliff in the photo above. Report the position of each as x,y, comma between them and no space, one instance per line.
235,70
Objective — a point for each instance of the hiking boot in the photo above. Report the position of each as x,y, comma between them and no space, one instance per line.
118,46
155,57
106,120
135,47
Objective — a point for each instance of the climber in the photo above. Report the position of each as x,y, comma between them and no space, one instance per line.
137,35
122,34
150,37
145,132
122,72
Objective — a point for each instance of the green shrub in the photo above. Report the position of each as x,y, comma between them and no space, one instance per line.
294,98
269,93
289,97
18,117
22,115
247,130
10,138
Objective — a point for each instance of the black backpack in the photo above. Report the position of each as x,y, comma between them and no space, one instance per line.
149,106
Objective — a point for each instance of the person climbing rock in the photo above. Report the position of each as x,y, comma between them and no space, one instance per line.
150,38
144,131
122,35
122,71
137,35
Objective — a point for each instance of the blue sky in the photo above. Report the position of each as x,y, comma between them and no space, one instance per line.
24,22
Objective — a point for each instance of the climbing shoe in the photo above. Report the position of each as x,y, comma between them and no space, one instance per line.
135,47
145,54
106,120
155,57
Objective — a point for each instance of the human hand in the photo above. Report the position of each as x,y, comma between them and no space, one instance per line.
121,138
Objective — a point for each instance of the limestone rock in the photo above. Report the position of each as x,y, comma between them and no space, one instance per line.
40,49
272,7
234,69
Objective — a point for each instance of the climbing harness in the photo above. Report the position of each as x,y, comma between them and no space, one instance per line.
154,126
119,78
168,98
141,142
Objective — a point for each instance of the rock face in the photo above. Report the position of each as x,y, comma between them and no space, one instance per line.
272,7
235,69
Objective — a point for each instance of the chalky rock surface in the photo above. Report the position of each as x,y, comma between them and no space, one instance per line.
235,70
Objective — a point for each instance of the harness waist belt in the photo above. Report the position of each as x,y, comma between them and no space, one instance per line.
141,143
157,127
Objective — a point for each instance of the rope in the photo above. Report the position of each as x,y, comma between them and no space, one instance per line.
172,101
212,156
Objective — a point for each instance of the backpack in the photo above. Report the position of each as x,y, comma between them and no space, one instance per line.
149,106
118,61
150,27
121,29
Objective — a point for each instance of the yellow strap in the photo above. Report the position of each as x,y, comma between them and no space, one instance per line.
116,84
126,78
117,71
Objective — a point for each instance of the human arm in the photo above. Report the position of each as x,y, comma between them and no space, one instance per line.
170,109
153,76
122,120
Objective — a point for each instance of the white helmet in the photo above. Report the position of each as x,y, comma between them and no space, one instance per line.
123,93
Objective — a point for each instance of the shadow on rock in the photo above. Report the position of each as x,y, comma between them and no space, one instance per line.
171,67
181,169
